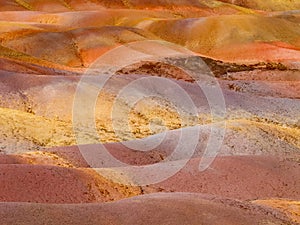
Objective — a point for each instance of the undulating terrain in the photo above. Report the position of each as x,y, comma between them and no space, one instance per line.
150,112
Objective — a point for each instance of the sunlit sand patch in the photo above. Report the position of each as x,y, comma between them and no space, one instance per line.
289,207
45,158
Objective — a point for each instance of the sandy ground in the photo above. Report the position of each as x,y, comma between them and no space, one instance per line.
48,48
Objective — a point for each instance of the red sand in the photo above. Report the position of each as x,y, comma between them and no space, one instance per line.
45,46
49,184
176,208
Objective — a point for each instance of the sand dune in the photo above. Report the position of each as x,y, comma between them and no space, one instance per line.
289,207
46,184
240,161
224,112
224,37
212,34
57,6
275,5
39,103
152,209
